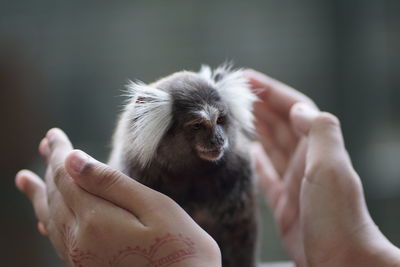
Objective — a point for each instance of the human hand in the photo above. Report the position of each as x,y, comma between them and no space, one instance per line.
319,204
281,157
336,226
97,216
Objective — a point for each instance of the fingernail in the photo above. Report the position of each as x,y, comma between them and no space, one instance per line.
79,161
42,229
44,148
302,115
305,109
18,180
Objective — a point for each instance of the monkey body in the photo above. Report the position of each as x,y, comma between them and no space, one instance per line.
198,157
220,198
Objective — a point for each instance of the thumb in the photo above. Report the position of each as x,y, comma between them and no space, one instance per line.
326,150
112,185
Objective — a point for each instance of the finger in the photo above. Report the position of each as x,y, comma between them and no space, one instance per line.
278,157
63,188
302,116
35,189
295,172
44,149
282,132
275,94
111,185
269,178
62,191
325,146
70,203
56,177
42,229
59,145
319,126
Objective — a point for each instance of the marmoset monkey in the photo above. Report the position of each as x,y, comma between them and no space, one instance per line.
184,136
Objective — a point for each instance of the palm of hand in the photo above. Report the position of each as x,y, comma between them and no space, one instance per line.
280,165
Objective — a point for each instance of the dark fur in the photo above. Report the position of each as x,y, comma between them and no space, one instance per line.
219,195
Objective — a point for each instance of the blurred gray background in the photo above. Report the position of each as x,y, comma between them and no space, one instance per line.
64,63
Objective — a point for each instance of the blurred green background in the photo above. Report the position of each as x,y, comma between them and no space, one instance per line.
64,63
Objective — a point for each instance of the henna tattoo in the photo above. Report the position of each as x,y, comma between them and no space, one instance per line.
185,251
77,256
150,256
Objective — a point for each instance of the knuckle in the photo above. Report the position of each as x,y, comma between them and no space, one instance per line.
92,224
90,219
59,173
163,201
161,198
157,203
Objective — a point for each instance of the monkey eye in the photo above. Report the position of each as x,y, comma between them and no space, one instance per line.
196,126
221,120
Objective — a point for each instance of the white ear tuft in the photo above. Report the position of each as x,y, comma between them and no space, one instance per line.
235,91
206,72
146,119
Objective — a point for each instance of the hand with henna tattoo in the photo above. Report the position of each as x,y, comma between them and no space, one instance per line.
96,216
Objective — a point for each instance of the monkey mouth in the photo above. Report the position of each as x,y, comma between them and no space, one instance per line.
210,154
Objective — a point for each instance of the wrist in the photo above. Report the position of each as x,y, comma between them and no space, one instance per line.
382,254
390,256
370,248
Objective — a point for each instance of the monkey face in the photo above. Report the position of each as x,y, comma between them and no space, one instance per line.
211,143
207,132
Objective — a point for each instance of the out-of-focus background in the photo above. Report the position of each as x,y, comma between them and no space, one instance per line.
64,63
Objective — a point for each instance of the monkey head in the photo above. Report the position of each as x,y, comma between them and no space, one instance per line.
200,117
187,115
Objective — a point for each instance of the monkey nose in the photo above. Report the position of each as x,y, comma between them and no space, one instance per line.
217,142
